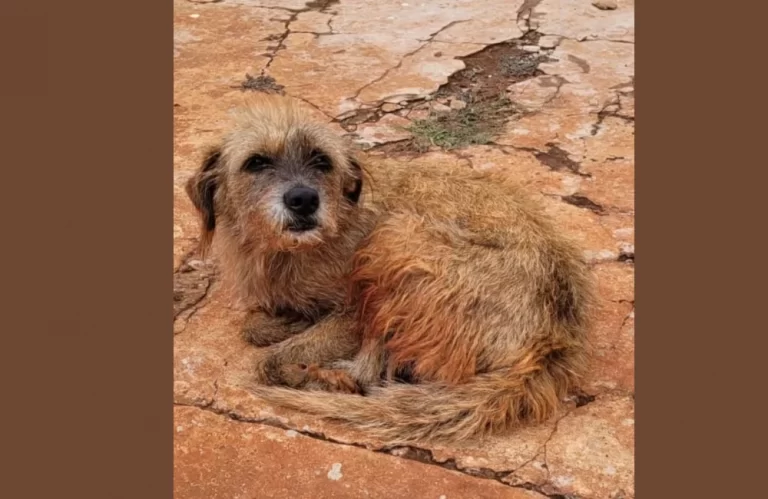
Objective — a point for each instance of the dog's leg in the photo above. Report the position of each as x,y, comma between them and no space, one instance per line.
368,365
299,361
263,330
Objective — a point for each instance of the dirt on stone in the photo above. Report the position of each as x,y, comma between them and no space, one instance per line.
492,70
262,83
481,88
190,285
320,5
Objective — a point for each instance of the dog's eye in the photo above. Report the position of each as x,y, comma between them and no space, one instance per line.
256,163
320,161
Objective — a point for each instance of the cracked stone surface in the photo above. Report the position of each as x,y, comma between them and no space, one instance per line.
288,464
370,69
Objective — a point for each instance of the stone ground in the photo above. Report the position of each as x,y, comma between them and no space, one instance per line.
389,74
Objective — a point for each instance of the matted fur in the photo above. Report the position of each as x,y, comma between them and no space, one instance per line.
453,279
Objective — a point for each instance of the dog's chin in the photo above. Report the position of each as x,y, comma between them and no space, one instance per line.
300,236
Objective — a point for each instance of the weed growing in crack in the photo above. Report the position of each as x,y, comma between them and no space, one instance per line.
520,66
263,83
476,124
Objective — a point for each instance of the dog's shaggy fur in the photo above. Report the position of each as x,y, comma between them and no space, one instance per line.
447,309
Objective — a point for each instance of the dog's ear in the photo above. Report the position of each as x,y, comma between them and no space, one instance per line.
354,188
201,189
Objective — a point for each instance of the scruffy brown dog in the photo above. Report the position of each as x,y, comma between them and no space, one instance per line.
447,309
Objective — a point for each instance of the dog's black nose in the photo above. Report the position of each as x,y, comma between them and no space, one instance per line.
302,200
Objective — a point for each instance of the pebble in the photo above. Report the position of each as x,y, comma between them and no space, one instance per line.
549,41
335,472
605,4
531,48
440,108
458,104
389,107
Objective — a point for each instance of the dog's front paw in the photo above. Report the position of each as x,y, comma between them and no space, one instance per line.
271,371
332,380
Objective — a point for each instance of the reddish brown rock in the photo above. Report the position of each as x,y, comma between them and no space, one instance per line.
579,20
390,128
613,334
585,228
611,139
312,21
591,453
418,74
216,457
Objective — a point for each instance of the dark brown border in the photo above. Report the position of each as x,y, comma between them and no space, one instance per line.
87,180
699,220
87,218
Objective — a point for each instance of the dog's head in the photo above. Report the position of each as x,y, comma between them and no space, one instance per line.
277,181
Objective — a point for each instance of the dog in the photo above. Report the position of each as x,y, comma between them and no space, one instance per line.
417,304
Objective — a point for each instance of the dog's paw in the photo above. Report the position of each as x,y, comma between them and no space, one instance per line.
332,380
269,370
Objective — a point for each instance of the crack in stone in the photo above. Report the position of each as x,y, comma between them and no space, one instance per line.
587,40
420,454
329,23
371,112
192,283
605,40
402,59
555,158
192,312
462,157
630,315
611,108
584,202
559,81
525,12
627,256
413,453
319,5
281,39
314,106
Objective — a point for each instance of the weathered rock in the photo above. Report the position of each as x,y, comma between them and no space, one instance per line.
389,128
439,108
549,41
605,4
535,93
613,364
389,107
216,457
579,20
591,453
457,104
312,21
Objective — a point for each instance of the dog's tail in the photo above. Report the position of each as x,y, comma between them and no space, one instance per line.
403,414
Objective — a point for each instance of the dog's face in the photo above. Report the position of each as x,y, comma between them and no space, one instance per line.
278,181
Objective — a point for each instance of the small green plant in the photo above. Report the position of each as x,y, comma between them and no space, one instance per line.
476,124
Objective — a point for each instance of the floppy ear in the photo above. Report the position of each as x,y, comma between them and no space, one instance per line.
353,190
201,189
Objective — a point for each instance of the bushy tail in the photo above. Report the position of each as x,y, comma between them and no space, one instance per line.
404,414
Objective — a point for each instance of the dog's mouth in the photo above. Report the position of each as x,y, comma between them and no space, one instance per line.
300,226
